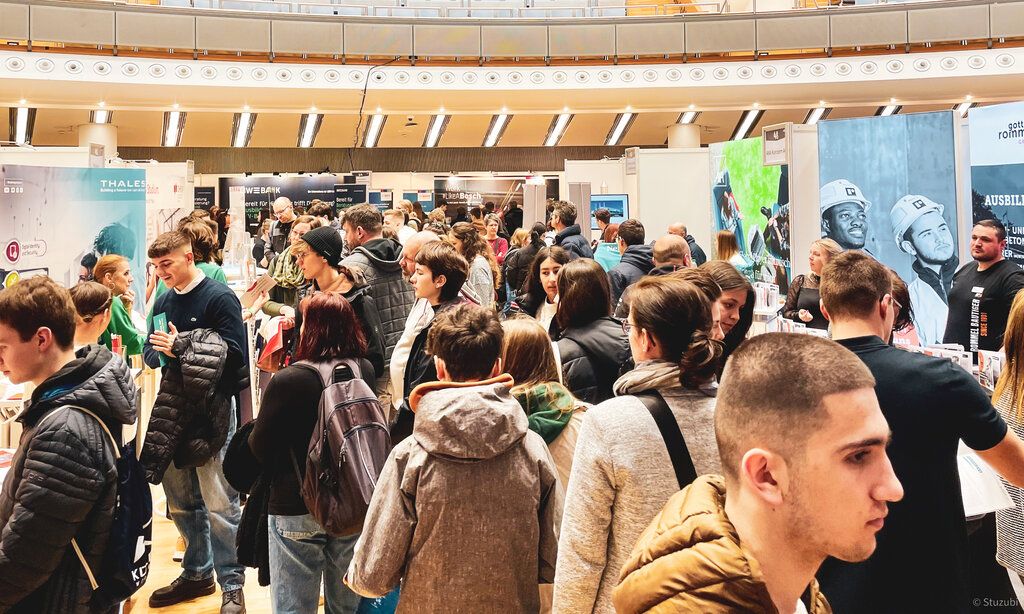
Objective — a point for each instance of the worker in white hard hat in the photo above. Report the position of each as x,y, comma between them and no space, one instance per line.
844,214
920,230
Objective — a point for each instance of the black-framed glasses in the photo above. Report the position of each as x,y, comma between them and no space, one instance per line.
627,327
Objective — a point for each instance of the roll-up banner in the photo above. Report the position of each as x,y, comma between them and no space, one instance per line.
997,171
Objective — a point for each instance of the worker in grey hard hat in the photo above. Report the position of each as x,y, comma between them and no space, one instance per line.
844,214
920,230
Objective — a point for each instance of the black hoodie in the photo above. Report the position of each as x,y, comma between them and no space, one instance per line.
62,485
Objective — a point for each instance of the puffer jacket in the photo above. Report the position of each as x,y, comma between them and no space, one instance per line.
470,497
571,240
635,263
517,266
380,263
592,357
62,485
690,559
191,415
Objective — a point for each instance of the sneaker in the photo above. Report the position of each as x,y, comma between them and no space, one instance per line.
179,550
232,602
180,590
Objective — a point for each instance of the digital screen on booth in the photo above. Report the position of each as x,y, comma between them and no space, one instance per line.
616,204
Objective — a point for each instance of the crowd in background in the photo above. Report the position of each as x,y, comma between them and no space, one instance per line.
548,423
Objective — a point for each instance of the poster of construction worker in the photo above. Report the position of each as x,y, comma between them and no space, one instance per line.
888,187
997,171
751,201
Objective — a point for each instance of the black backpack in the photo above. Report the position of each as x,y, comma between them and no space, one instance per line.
125,565
347,450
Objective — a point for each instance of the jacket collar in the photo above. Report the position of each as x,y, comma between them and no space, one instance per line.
940,281
568,231
418,392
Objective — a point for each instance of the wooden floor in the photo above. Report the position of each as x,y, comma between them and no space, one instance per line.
163,570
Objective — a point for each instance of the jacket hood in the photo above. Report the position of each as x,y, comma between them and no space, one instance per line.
603,338
469,421
568,232
96,380
638,256
664,269
692,533
385,254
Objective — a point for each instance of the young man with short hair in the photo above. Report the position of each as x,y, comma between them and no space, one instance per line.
982,291
603,217
379,260
921,564
636,258
465,513
206,517
802,443
62,484
568,234
395,220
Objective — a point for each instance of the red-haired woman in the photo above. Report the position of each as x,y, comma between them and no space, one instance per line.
301,553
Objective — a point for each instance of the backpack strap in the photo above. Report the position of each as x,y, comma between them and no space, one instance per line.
685,472
117,455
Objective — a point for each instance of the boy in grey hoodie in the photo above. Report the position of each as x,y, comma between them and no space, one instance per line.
469,502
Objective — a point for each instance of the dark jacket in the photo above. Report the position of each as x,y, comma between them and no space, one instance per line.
62,485
571,240
513,219
517,266
592,357
636,262
696,253
420,367
379,261
191,415
622,307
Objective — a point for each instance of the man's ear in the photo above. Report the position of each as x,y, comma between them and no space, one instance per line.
824,312
497,368
766,474
826,227
442,370
908,247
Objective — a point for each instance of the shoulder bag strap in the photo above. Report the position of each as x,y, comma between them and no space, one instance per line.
672,436
117,455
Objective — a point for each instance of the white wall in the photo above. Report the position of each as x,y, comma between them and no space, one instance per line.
804,196
674,185
46,156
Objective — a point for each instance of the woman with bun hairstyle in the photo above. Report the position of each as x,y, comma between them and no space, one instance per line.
92,311
115,272
622,473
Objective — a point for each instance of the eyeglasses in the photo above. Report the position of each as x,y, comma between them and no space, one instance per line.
627,327
899,307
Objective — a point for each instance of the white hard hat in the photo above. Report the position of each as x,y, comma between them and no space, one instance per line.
907,210
841,191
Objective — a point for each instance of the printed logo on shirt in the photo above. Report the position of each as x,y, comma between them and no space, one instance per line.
978,290
194,320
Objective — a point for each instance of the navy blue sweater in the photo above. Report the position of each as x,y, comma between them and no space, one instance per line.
210,305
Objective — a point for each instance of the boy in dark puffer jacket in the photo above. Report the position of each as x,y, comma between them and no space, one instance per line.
62,484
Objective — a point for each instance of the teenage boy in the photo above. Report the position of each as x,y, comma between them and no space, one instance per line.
62,484
636,258
568,234
469,502
921,564
802,443
207,516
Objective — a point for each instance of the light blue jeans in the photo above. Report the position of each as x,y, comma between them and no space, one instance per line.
301,554
206,511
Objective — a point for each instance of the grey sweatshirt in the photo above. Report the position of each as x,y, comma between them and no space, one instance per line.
621,478
465,513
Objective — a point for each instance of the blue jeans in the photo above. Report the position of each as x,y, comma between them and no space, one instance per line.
300,555
206,511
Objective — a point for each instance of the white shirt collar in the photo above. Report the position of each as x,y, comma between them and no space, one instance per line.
200,276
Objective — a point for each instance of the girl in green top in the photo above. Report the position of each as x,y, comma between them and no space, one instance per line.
114,272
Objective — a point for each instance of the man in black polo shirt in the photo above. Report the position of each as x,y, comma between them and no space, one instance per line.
982,291
921,564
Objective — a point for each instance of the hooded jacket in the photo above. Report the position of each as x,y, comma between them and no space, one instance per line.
690,559
62,485
696,252
517,266
468,503
592,357
379,261
636,262
191,414
571,240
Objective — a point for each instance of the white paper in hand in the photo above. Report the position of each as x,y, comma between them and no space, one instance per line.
980,486
261,285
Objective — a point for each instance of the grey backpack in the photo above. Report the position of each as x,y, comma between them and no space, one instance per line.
347,450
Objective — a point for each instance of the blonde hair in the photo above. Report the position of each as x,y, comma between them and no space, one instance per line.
520,237
829,246
726,245
526,353
1011,381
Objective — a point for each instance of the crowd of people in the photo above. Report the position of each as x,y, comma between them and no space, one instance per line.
502,421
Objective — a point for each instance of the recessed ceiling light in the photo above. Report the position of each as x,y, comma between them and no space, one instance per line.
816,115
688,117
174,125
308,128
241,128
496,129
619,128
22,123
557,128
888,110
373,129
438,123
746,124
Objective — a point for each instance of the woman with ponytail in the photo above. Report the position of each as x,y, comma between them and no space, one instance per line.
622,473
517,263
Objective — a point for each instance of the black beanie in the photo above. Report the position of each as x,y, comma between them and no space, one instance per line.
327,242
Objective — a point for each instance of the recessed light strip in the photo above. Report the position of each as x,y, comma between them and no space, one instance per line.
619,128
962,108
23,119
816,114
438,123
558,125
373,129
688,117
174,125
747,123
308,128
497,128
100,116
888,110
241,129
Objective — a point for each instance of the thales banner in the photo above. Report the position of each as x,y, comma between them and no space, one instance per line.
752,201
59,221
888,187
997,171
